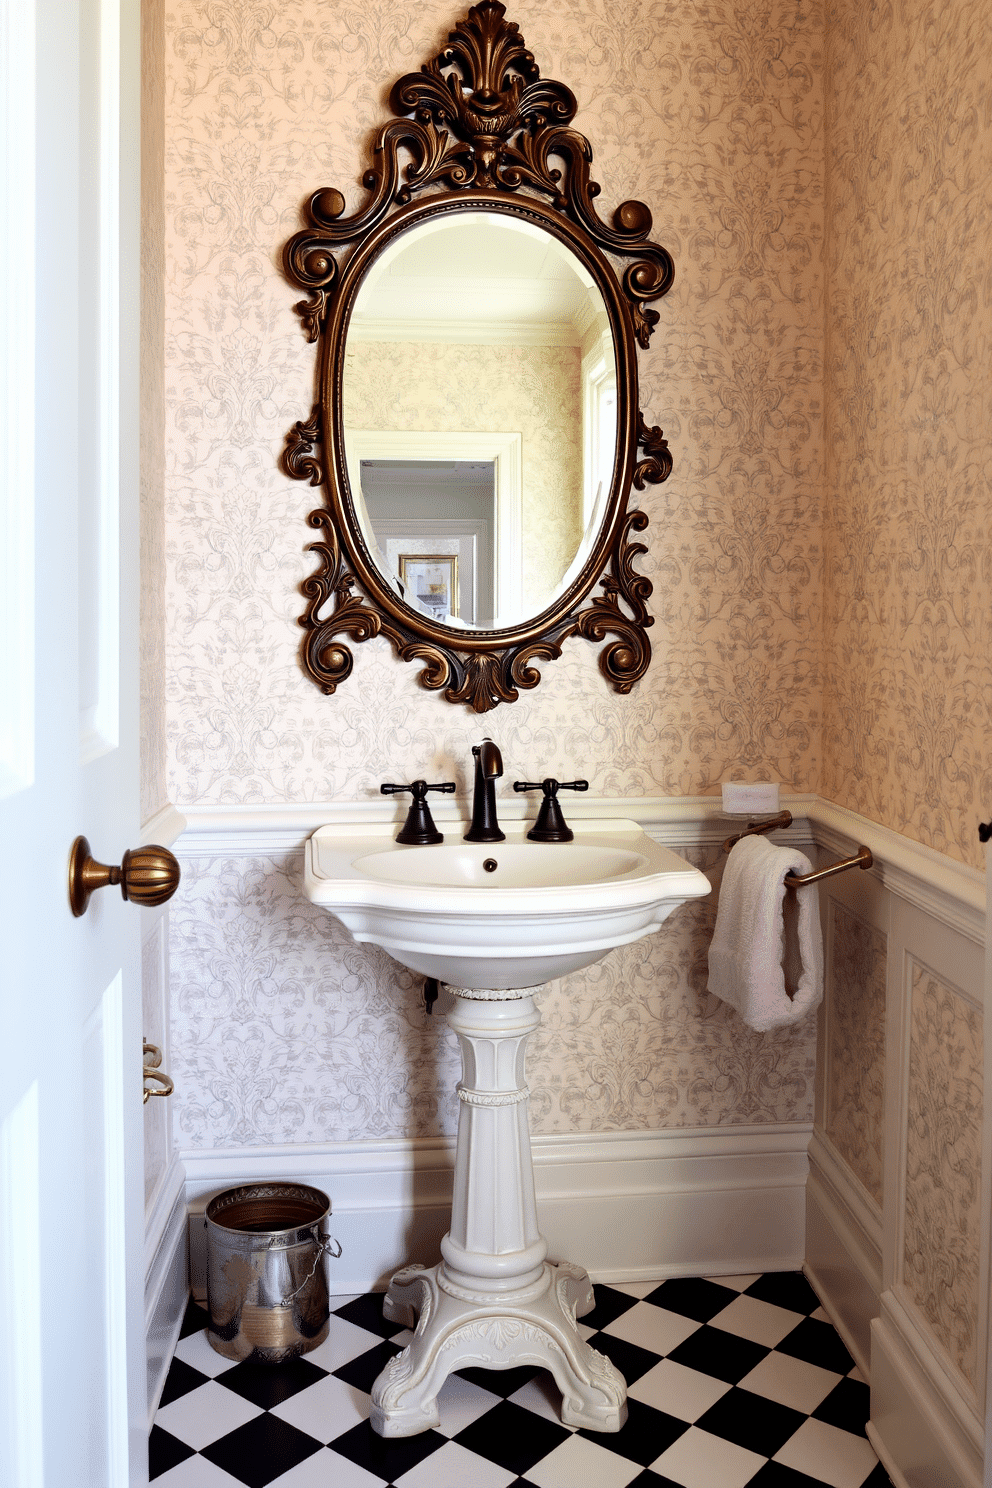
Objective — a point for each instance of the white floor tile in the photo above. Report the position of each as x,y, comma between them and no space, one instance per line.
652,1327
580,1461
196,1472
452,1466
762,1322
461,1402
736,1283
820,1315
344,1342
855,1374
680,1392
206,1414
700,1460
328,1470
841,1459
199,1354
791,1382
325,1410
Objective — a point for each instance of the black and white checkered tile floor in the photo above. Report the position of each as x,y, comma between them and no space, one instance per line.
732,1381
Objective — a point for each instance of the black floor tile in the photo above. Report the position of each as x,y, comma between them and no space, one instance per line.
723,1355
363,1371
261,1450
751,1421
817,1343
692,1297
267,1384
165,1451
846,1406
512,1437
631,1360
366,1312
194,1321
389,1457
777,1475
785,1289
504,1382
645,1435
180,1380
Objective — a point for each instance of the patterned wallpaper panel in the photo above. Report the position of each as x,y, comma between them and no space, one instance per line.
943,1166
709,114
908,662
286,1031
855,1103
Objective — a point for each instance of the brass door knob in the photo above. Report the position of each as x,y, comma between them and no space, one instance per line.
147,875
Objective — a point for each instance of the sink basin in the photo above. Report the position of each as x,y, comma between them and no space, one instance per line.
498,915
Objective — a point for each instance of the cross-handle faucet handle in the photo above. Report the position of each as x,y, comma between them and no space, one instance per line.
550,825
418,829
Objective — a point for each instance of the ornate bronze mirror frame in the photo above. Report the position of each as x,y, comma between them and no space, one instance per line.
479,128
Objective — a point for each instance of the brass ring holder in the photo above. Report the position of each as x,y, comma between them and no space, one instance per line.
167,1084
147,875
151,1056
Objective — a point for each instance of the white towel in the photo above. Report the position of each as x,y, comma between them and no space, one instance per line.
750,940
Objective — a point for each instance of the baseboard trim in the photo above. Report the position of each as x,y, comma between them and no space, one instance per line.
627,1205
166,1280
843,1248
923,1427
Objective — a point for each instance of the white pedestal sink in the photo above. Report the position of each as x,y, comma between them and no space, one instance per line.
493,921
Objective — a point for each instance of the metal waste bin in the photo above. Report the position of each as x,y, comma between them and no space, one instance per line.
266,1282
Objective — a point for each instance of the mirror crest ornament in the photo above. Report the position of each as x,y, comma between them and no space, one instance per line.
484,131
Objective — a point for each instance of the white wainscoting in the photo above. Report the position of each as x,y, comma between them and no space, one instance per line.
629,1206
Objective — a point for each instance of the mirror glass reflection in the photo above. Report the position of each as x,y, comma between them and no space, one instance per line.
480,417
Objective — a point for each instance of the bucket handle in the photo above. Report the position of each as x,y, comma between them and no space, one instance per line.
323,1248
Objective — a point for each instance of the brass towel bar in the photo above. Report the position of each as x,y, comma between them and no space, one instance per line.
861,859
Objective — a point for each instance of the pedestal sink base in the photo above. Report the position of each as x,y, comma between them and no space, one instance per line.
533,1326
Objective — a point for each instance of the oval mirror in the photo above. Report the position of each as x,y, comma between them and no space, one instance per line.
477,426
479,404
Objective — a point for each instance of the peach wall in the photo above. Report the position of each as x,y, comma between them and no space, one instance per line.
908,560
711,115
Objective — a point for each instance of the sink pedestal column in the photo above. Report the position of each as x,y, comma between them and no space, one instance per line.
493,1301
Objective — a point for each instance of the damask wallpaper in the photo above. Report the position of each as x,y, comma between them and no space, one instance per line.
533,391
712,116
908,540
820,553
292,1033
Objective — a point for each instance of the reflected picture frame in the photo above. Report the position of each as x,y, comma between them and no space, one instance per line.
432,578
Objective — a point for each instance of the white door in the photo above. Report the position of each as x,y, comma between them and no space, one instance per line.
72,1392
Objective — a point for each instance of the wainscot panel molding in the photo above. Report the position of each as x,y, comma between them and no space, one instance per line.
630,1205
166,1278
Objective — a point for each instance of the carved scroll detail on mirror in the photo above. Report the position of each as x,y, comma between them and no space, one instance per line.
484,133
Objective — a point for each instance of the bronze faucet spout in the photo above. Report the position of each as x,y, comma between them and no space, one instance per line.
488,768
